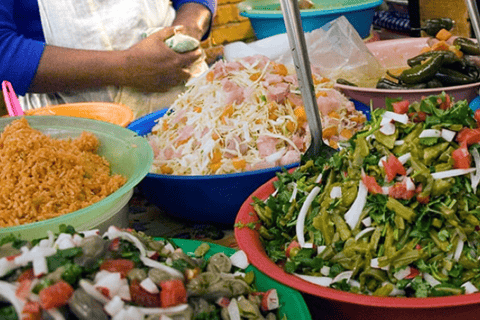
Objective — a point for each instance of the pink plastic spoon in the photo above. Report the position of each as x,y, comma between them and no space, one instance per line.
11,100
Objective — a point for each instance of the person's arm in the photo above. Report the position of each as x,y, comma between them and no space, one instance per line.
196,15
149,65
19,56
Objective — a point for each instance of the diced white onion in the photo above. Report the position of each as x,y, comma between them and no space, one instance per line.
321,281
7,290
336,192
458,250
380,162
300,226
402,273
233,310
405,157
114,306
325,270
39,266
94,293
343,275
374,264
353,214
320,249
469,287
451,173
364,232
398,117
6,266
430,279
475,178
399,143
448,135
132,313
155,264
169,310
319,178
367,222
409,184
55,314
239,259
386,121
387,129
149,285
430,133
294,193
385,190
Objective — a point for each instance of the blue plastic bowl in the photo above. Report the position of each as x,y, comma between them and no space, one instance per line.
267,20
206,199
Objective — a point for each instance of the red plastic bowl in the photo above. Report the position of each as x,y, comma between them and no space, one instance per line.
336,304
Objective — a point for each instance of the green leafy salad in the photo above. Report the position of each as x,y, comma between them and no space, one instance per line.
396,212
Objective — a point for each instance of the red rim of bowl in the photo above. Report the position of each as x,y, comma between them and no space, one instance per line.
425,92
249,241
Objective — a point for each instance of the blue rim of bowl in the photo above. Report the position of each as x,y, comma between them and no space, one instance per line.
271,14
138,126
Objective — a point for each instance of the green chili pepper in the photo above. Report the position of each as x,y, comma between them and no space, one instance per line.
432,26
449,57
467,46
385,83
403,211
346,82
422,72
450,77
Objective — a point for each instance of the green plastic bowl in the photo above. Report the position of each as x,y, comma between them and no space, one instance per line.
128,154
292,304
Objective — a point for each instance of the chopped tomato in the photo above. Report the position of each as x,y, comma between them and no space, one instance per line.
413,273
118,265
114,245
23,289
293,244
399,191
461,158
142,297
401,106
447,104
270,300
56,295
476,115
371,184
393,166
31,311
469,136
26,275
173,292
419,116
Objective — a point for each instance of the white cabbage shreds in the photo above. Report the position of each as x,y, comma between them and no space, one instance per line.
245,115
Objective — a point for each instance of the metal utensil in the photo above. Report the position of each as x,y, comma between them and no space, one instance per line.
474,19
11,100
296,38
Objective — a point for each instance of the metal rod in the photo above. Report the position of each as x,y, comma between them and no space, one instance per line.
296,38
474,19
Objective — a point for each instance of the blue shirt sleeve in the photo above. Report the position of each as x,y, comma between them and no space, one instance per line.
210,4
19,55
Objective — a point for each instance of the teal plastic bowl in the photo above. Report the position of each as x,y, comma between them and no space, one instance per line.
128,155
267,20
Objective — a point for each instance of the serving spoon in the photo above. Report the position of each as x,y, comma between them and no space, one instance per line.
298,47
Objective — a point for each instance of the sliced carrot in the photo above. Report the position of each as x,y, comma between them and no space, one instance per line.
330,132
321,94
216,156
165,125
346,133
300,114
215,166
197,109
280,69
215,136
358,119
166,169
457,52
290,126
333,144
440,46
255,76
425,49
239,163
210,76
443,34
334,114
181,142
227,112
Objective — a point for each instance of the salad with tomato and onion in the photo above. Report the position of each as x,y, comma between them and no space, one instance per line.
396,212
124,274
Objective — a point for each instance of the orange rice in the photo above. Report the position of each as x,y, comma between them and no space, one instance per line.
42,177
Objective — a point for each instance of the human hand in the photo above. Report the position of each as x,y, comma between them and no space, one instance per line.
151,66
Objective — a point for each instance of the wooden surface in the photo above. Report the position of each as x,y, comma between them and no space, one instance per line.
454,9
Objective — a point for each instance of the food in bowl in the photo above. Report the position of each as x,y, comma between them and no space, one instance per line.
124,274
394,214
42,177
245,115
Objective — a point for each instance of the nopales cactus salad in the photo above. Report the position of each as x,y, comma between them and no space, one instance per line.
124,274
396,212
